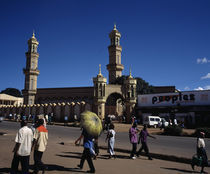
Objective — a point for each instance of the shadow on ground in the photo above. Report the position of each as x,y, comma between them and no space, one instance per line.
54,167
4,170
68,156
76,153
117,157
98,157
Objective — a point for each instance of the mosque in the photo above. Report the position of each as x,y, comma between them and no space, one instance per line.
103,98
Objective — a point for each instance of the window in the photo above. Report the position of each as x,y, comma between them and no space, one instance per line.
118,59
112,41
32,50
32,84
30,102
33,65
100,90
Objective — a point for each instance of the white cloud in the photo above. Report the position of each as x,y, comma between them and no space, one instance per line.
199,88
202,60
203,88
207,76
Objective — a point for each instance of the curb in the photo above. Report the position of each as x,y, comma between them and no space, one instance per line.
156,156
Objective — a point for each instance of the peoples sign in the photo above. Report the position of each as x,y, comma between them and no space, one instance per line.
187,98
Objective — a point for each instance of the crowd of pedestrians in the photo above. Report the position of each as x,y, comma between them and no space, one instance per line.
28,140
49,118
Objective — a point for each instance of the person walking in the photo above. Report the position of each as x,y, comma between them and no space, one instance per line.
47,118
22,149
66,120
39,145
201,152
133,131
111,140
88,150
143,138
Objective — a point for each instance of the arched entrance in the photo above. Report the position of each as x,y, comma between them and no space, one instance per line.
114,105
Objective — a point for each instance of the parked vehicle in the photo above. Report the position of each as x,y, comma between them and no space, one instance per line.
152,121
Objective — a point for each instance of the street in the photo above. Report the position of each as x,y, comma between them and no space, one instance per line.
169,145
62,156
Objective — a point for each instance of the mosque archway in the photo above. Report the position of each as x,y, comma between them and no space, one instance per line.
114,105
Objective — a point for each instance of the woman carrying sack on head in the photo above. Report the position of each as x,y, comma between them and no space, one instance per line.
201,152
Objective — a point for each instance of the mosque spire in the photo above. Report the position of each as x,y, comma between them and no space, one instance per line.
99,73
115,28
33,36
130,76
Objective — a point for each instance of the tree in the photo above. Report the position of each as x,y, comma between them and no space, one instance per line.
120,80
142,87
12,91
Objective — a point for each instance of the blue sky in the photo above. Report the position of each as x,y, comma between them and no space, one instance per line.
165,42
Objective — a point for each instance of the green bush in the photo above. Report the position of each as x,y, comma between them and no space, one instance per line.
206,130
173,130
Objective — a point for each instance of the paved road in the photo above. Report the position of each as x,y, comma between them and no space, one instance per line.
169,145
63,159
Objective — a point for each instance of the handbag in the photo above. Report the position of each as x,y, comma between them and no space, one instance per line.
196,160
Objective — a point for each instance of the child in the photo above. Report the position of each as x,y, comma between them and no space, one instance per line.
111,139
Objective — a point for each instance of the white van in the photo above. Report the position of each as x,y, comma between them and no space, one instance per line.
152,121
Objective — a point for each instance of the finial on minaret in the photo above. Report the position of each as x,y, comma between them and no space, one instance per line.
33,36
115,28
130,76
99,73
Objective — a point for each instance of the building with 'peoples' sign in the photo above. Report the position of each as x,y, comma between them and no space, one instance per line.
190,107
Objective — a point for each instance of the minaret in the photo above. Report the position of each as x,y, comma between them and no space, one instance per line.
99,94
31,72
114,67
130,95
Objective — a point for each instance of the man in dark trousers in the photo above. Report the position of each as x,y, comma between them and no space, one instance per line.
87,152
143,137
22,149
39,144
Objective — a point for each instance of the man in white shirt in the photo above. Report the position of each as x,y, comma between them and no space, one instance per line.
22,149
